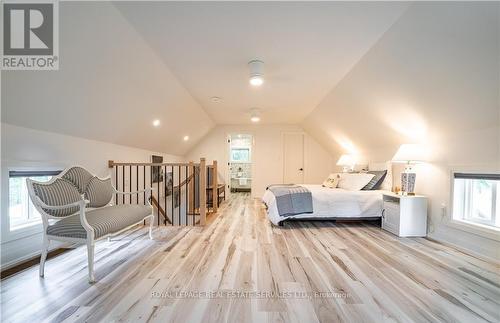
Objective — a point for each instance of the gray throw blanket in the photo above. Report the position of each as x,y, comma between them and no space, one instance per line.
292,199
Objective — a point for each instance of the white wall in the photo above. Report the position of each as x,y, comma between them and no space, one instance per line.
432,78
267,154
25,148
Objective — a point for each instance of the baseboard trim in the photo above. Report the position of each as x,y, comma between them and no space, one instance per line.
465,250
28,263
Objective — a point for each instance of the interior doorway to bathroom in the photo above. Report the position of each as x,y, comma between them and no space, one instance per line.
240,162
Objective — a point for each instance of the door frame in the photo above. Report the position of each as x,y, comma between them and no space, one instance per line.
228,155
283,134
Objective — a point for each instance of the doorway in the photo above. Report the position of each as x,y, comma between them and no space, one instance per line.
293,158
240,162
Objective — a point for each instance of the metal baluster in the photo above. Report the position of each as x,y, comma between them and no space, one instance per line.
164,188
186,190
123,184
158,196
172,197
179,194
116,184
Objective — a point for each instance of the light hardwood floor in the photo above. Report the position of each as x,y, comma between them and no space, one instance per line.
372,276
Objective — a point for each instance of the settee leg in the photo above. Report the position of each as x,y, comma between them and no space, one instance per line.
90,252
45,248
151,221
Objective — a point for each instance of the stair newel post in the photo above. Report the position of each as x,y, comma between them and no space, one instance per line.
215,190
191,188
203,192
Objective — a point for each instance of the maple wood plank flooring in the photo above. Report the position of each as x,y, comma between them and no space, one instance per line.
302,272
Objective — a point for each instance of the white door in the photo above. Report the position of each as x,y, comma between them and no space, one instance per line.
293,158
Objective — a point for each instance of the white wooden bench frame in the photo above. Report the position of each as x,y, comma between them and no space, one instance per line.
89,241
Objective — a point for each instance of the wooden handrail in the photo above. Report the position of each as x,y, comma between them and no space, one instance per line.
112,163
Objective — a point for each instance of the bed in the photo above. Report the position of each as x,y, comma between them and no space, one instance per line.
336,203
332,203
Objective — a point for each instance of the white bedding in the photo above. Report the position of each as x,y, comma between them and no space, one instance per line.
332,203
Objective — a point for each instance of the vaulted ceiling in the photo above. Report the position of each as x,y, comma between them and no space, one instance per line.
306,47
124,64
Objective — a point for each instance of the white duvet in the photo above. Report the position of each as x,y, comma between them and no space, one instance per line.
332,203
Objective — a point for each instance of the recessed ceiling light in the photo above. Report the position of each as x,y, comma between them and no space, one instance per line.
256,72
255,115
156,122
186,138
216,99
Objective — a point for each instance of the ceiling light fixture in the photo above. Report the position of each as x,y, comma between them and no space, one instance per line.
256,72
186,138
216,99
254,115
156,123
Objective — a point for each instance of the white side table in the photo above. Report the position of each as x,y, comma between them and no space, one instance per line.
404,216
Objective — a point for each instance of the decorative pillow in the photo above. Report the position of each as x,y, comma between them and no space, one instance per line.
354,181
386,184
60,192
375,181
99,192
332,181
80,177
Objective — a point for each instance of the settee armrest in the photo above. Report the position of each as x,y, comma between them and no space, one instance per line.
81,204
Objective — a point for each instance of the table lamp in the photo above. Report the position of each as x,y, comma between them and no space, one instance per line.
347,162
409,154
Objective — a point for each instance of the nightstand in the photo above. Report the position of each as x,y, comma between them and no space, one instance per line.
404,216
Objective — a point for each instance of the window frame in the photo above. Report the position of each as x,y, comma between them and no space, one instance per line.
7,234
483,230
239,161
30,208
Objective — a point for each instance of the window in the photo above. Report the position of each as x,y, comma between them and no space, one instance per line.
22,213
476,198
240,154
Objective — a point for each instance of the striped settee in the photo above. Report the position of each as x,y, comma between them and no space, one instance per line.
76,207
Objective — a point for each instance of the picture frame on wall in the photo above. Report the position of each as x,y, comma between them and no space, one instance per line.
156,171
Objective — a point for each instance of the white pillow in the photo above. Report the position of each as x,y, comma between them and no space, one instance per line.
354,181
332,181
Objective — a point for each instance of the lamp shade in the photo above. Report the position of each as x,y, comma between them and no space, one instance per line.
410,153
346,160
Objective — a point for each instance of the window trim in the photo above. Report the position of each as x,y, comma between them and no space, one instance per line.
237,161
485,231
31,208
8,235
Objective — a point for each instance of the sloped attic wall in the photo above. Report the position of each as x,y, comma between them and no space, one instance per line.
432,78
110,87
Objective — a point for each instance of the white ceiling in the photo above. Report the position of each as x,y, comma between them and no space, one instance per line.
432,78
307,48
110,87
125,64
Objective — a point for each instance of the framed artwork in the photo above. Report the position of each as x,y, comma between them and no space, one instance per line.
156,171
169,180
